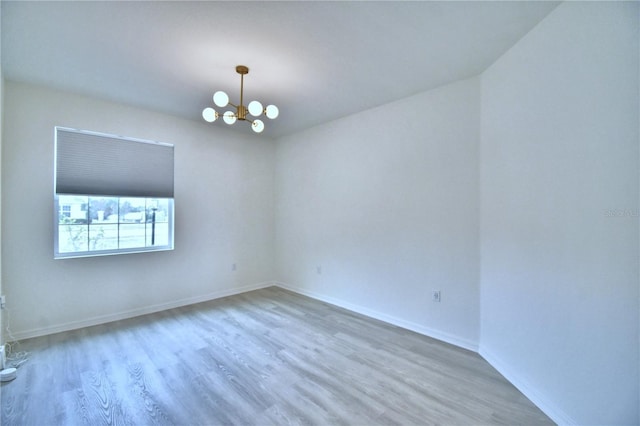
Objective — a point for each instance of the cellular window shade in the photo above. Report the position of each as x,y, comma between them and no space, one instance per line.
99,164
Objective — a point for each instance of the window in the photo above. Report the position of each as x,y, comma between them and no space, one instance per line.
112,195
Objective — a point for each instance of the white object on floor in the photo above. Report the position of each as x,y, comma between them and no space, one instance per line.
8,374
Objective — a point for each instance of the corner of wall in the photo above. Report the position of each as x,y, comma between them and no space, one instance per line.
549,407
553,162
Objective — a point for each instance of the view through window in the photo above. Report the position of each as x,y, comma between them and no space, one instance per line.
94,223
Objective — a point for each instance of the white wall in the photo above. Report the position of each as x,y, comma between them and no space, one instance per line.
559,157
223,210
386,203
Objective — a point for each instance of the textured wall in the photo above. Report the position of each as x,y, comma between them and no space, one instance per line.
559,213
386,203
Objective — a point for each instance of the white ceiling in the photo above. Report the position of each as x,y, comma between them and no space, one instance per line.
316,61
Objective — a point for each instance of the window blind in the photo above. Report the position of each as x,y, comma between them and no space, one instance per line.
100,164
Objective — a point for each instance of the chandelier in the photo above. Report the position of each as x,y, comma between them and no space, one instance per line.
254,108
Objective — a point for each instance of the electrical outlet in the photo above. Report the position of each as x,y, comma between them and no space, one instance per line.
3,301
233,267
319,270
435,296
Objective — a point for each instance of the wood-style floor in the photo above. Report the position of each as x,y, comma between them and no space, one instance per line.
264,357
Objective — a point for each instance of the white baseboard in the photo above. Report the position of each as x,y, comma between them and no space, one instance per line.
542,402
436,334
103,319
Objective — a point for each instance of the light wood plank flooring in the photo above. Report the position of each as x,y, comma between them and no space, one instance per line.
267,357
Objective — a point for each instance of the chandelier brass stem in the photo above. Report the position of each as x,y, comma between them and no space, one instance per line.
242,111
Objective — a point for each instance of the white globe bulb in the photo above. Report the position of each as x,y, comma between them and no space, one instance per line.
255,108
209,114
229,117
221,99
257,126
272,111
